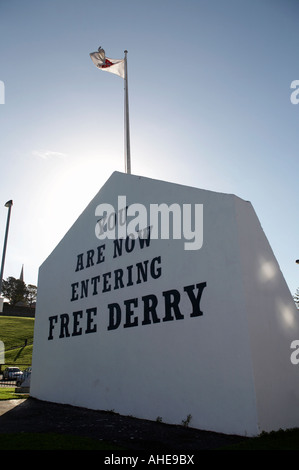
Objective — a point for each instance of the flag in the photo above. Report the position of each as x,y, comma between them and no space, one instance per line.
116,66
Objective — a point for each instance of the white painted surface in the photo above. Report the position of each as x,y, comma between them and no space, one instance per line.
229,368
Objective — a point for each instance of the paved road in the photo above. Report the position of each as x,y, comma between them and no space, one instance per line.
8,405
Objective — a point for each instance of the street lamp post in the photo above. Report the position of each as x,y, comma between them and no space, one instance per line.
9,205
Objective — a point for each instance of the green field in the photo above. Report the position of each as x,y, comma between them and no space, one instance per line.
14,333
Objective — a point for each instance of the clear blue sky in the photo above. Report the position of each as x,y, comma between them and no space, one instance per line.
209,91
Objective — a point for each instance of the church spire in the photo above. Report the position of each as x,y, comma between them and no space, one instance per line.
22,273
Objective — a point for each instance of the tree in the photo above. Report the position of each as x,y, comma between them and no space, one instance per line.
15,290
31,294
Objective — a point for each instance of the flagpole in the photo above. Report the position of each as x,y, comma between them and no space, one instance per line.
127,125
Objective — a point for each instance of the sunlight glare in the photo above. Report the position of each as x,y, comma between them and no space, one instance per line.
267,270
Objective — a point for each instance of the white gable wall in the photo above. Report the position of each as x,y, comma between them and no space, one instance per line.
213,366
273,324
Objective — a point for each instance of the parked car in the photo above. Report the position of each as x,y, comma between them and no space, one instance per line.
12,373
25,375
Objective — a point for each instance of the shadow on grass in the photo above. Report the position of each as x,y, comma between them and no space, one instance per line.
275,440
51,441
280,440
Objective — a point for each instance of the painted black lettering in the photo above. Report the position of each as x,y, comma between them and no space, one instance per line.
52,320
141,272
129,312
114,316
101,257
129,270
106,282
195,301
91,328
150,303
155,272
80,265
94,282
84,288
64,322
118,247
90,255
74,293
76,330
144,237
172,300
129,244
118,279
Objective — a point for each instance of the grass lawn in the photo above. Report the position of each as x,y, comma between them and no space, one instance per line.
19,357
8,393
14,332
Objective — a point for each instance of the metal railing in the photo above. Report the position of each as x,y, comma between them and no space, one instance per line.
11,382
